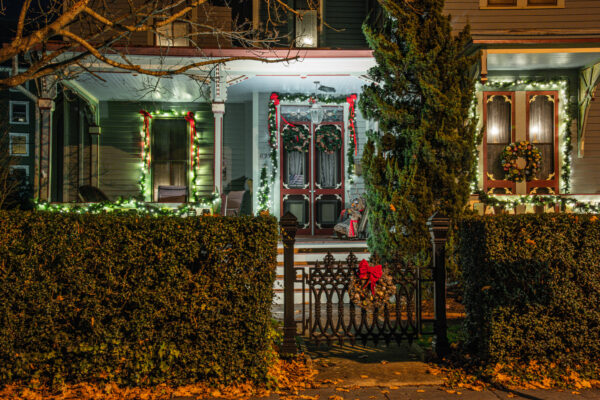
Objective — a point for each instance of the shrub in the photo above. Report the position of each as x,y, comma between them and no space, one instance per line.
135,300
532,287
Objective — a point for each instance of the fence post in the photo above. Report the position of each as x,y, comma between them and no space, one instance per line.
438,229
289,226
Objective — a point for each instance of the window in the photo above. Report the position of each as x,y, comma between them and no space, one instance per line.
306,29
173,34
507,4
499,132
19,112
542,132
19,144
170,144
20,172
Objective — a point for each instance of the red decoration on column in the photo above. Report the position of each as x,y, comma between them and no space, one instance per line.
351,100
189,117
147,118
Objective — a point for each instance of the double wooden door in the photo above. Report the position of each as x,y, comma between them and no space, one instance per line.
312,181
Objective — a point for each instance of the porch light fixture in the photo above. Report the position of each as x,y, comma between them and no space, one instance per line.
316,111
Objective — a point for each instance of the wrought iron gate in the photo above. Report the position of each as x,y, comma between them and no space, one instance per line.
329,316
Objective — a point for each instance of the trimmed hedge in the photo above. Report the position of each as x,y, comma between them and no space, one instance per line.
532,287
135,300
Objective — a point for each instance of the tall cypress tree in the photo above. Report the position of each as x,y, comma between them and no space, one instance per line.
422,158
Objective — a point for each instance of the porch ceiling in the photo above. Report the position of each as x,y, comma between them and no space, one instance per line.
340,73
515,61
342,84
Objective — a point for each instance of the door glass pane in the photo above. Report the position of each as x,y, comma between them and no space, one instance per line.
296,169
498,132
297,205
541,131
328,169
328,209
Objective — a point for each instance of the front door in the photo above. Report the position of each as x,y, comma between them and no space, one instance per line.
312,173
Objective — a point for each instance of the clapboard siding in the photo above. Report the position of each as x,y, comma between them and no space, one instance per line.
579,16
586,170
120,145
237,132
346,16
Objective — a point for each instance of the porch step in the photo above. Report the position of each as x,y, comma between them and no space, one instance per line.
306,254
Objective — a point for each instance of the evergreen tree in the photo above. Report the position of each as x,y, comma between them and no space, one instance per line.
422,159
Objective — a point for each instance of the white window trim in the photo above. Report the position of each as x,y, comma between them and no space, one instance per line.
23,167
12,103
11,135
483,4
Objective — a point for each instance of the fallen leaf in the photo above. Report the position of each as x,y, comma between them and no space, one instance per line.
394,387
384,362
575,392
340,389
397,373
420,391
336,397
364,376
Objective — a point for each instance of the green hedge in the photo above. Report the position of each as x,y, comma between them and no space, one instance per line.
532,287
135,300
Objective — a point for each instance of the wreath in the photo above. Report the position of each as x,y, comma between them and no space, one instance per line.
371,287
520,161
296,138
329,138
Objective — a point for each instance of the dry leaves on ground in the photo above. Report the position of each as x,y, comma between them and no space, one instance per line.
291,376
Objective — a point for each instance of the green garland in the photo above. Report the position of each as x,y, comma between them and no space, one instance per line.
132,205
538,200
296,138
567,110
329,138
510,157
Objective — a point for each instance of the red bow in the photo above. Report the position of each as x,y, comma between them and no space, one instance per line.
372,273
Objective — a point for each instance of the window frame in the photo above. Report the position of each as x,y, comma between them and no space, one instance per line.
520,4
12,135
23,167
12,103
545,183
488,183
158,36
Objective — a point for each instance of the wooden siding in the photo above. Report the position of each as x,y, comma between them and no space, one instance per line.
120,145
204,15
347,17
237,141
585,172
578,17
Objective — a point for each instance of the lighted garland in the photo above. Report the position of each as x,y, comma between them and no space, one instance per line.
565,112
144,181
520,152
131,205
266,179
512,201
329,138
295,138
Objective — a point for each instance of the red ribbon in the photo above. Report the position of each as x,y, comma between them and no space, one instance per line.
351,100
147,118
372,273
189,117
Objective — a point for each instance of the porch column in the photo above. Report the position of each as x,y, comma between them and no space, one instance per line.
218,111
43,163
219,96
43,159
